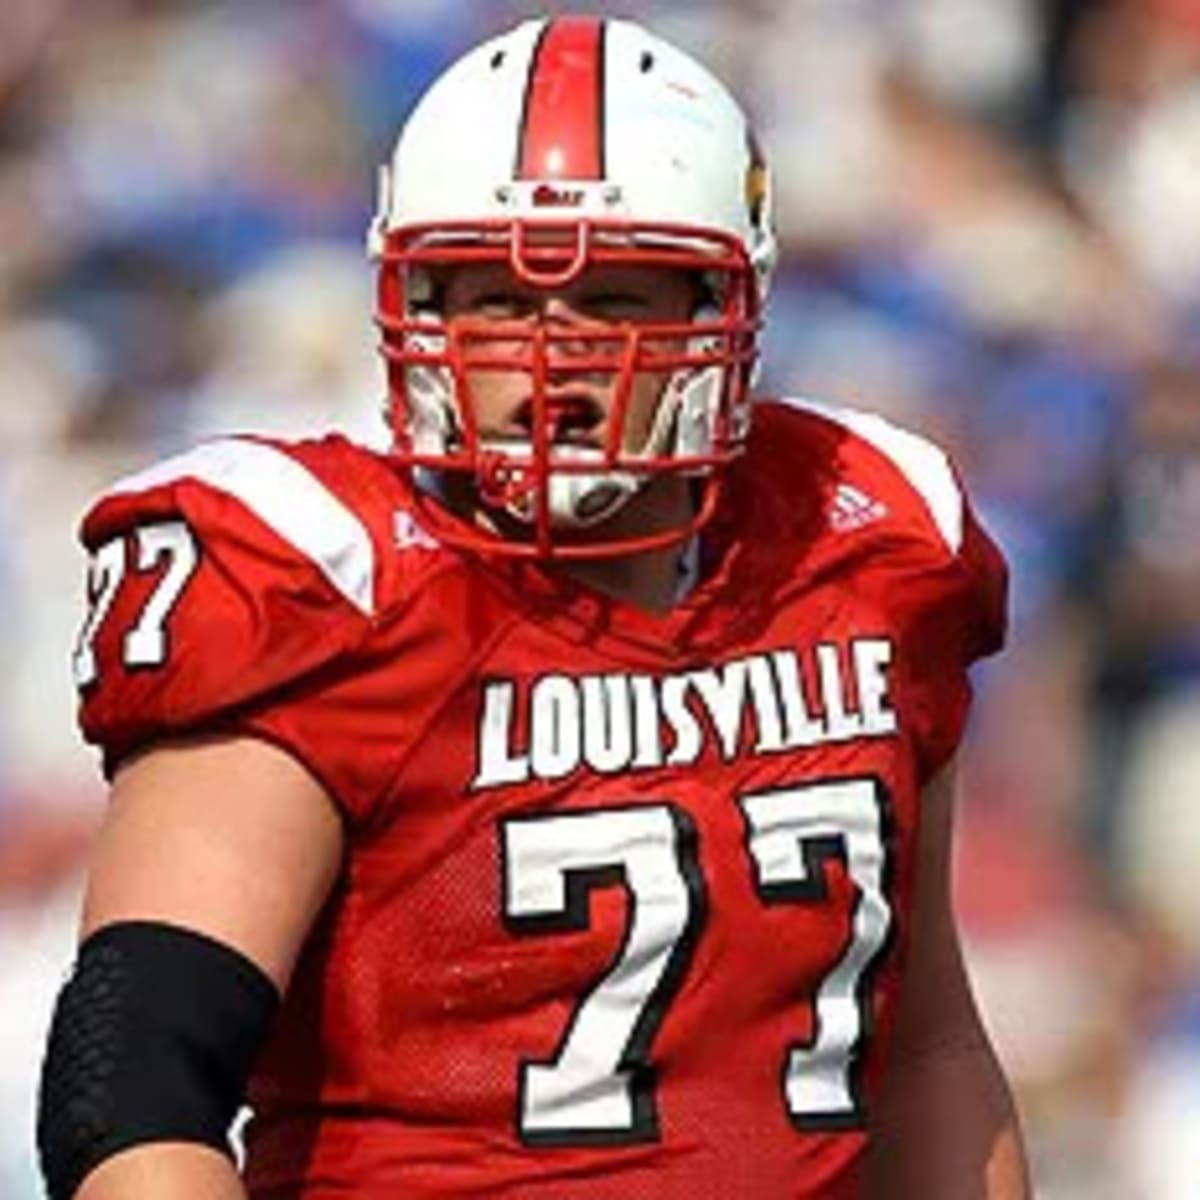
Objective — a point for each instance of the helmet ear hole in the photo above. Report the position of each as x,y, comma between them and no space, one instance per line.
711,297
425,292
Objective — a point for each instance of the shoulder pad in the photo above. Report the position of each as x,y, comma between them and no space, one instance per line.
918,481
923,465
216,578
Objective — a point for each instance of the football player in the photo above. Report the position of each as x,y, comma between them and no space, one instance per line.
558,806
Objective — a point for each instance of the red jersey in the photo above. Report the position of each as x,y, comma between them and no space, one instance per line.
625,901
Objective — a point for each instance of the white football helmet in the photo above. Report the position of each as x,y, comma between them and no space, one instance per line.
564,144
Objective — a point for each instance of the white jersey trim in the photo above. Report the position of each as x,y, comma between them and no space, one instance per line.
924,464
287,498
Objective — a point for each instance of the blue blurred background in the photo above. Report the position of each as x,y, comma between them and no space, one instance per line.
991,222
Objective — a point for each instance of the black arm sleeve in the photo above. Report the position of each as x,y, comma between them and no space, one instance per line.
152,1040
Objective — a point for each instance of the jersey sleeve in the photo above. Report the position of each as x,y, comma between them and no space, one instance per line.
960,619
943,579
218,582
953,612
985,574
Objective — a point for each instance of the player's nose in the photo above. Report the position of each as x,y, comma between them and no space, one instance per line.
563,320
574,337
559,309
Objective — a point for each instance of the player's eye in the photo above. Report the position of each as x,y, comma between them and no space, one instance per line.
615,306
502,305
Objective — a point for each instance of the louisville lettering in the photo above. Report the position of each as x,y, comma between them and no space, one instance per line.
616,723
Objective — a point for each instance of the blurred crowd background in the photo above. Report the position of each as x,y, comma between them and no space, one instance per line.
991,221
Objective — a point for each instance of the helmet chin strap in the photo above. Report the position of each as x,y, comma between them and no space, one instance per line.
575,499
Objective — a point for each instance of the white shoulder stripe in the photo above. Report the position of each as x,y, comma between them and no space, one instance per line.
924,464
287,498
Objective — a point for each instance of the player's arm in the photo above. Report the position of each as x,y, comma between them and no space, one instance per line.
230,839
945,1127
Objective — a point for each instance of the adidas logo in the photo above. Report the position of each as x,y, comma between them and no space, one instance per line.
852,509
408,533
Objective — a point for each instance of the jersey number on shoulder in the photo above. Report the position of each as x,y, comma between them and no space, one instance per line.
145,644
599,1087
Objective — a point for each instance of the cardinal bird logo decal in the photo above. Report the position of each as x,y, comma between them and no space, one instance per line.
756,179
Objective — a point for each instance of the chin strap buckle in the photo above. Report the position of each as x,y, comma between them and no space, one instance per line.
502,483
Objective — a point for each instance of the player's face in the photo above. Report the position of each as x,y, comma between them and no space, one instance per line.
582,399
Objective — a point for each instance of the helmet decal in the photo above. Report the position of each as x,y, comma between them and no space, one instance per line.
756,179
562,135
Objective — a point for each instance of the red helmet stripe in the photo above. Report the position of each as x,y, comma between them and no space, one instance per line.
562,131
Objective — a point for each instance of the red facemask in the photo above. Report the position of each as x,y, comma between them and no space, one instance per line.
557,495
